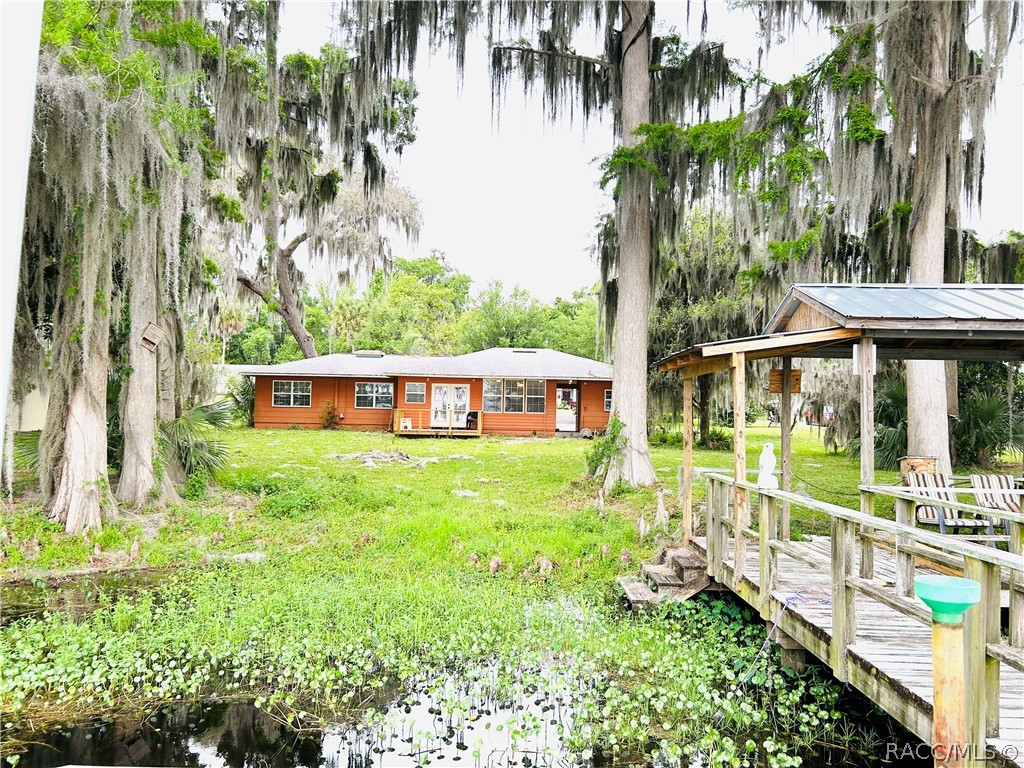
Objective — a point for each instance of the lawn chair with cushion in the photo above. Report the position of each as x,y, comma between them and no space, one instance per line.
932,485
991,493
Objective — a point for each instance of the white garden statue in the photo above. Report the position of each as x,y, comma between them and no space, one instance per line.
766,470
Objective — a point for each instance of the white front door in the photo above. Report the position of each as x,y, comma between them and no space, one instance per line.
449,404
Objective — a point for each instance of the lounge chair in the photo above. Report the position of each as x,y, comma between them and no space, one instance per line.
988,488
932,485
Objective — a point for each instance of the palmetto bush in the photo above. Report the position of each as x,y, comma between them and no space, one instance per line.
189,438
983,430
242,396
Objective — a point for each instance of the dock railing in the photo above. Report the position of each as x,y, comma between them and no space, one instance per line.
852,530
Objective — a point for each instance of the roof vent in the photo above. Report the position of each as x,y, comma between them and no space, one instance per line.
525,351
368,353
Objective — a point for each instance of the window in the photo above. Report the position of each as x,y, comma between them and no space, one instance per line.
535,396
514,395
492,395
607,399
292,394
375,394
415,392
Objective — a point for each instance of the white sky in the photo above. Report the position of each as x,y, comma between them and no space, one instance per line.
518,201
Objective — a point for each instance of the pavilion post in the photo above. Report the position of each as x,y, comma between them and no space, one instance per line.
686,489
867,449
786,423
741,514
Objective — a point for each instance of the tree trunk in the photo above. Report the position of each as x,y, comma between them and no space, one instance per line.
629,386
143,478
73,446
927,406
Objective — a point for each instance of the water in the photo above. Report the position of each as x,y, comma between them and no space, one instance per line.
423,729
76,597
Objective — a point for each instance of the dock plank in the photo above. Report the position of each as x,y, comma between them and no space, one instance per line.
890,659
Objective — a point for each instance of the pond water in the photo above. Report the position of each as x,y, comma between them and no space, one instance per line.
436,728
454,719
76,597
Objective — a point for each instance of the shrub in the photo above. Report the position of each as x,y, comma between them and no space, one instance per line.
329,415
717,440
605,448
242,396
195,486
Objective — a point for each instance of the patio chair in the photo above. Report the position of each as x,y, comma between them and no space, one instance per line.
932,485
988,488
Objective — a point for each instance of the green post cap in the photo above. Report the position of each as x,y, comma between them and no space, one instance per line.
947,596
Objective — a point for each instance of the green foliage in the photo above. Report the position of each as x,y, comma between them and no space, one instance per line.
195,485
861,124
26,451
982,431
329,415
227,208
242,396
605,448
189,439
786,251
717,439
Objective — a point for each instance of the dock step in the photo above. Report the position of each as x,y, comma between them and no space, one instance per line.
659,577
640,596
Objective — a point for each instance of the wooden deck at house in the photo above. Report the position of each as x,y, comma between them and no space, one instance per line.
418,422
848,599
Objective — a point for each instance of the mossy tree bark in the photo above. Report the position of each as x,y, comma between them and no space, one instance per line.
629,386
927,402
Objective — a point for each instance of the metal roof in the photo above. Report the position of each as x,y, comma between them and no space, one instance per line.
497,363
904,322
847,303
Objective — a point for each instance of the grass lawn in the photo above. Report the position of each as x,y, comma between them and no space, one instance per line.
380,576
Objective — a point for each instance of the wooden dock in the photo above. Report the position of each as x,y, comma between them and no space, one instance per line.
848,600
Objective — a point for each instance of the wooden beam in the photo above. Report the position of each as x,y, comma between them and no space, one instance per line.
780,341
867,450
786,423
687,487
739,439
704,367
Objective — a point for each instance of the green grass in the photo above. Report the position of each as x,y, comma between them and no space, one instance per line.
379,577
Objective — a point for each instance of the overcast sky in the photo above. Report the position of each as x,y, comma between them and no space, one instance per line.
518,200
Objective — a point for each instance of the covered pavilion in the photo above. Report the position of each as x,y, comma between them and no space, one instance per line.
865,322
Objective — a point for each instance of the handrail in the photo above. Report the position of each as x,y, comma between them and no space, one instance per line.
938,540
985,650
898,492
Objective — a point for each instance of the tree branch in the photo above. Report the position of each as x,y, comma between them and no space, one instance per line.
288,250
559,54
250,283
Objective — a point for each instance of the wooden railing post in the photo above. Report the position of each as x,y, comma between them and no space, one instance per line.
741,510
786,443
844,610
904,559
766,528
867,450
711,514
1017,587
981,671
686,487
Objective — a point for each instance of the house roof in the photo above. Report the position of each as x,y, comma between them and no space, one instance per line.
874,305
927,322
498,363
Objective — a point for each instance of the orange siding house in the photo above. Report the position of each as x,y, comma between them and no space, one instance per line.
497,391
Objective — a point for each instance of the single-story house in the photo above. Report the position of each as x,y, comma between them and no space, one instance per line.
497,391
